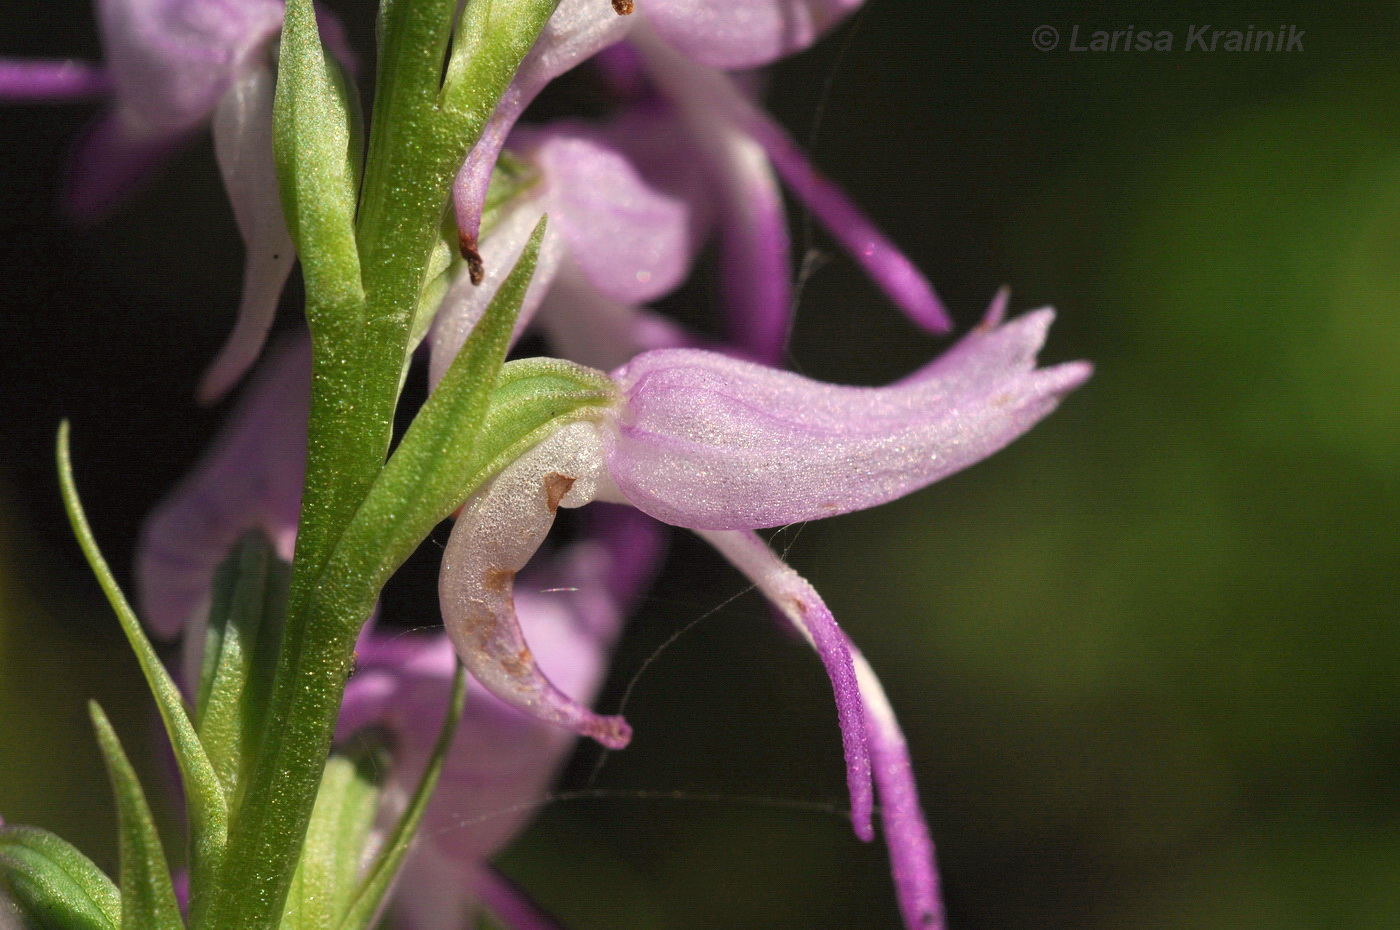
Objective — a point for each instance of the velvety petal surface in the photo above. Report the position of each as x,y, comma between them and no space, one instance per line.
250,479
711,442
632,240
743,35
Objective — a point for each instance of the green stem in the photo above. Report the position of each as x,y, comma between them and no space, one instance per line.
360,340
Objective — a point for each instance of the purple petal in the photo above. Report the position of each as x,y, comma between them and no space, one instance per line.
172,60
632,240
577,30
799,602
724,34
251,479
890,268
111,161
906,831
510,904
711,442
466,301
586,327
52,81
243,145
497,532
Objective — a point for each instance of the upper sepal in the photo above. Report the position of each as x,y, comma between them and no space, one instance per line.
715,443
50,885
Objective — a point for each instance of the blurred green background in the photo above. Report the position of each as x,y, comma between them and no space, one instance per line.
1146,658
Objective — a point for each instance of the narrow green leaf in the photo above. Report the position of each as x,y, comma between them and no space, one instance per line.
148,899
246,612
313,140
53,885
204,798
381,875
412,494
327,877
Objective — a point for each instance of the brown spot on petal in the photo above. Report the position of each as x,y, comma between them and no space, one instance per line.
623,7
555,487
498,581
519,665
476,269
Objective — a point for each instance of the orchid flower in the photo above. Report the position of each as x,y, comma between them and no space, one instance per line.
683,44
502,761
173,67
724,446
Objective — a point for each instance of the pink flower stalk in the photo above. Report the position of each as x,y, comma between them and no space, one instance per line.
724,447
503,760
683,45
171,68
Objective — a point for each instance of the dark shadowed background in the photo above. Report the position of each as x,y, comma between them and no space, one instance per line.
1146,658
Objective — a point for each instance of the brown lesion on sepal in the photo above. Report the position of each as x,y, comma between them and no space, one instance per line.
623,7
555,487
476,268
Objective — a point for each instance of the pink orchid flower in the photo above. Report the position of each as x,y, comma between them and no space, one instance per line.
724,447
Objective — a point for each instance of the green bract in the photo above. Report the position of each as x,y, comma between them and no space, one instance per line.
52,885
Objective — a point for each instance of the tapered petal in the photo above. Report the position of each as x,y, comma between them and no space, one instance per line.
243,146
250,479
710,442
887,266
718,108
901,815
466,300
51,80
577,30
497,532
871,735
732,35
633,241
796,599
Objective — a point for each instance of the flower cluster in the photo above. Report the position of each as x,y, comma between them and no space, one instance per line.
714,438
